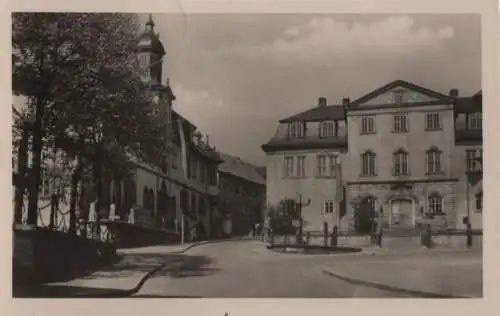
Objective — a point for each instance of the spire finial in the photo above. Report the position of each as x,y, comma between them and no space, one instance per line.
150,25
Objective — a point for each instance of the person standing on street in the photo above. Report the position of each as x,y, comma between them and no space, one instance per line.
379,230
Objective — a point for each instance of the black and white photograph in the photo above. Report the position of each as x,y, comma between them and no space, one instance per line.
247,155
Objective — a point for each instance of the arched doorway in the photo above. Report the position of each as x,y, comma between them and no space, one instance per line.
365,215
402,212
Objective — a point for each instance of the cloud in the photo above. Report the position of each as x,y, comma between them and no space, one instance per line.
326,37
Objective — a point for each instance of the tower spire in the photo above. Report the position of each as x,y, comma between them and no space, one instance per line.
150,24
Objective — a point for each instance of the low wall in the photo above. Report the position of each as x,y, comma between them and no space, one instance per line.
448,241
41,255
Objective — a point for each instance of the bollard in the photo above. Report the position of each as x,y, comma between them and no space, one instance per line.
335,236
429,236
308,238
469,235
298,237
325,233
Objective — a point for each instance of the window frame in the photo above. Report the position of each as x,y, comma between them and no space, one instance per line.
288,162
474,117
321,167
329,208
371,165
402,119
431,204
400,163
327,129
296,129
431,117
368,125
332,165
471,160
301,166
435,154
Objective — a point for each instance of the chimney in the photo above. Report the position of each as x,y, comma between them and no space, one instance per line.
321,102
454,93
345,101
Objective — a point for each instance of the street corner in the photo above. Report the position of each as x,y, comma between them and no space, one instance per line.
421,276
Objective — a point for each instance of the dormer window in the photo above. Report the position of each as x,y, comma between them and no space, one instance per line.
475,121
327,129
295,130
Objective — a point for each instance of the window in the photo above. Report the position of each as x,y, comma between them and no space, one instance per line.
301,166
435,204
479,201
321,165
327,129
398,96
288,166
433,157
333,165
474,158
367,125
368,164
400,163
433,121
475,121
295,129
329,207
400,123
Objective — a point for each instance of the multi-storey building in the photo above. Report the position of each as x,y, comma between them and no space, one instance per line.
303,160
400,150
242,193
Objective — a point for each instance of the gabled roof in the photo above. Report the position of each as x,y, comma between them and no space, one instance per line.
400,83
239,168
318,113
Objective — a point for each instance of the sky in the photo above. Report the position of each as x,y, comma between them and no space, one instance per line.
236,75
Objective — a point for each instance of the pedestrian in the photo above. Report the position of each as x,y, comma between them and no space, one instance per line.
254,230
379,231
259,230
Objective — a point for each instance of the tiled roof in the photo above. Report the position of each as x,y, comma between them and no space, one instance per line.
242,169
469,104
318,113
315,142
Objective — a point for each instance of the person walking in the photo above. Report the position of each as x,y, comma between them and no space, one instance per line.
379,230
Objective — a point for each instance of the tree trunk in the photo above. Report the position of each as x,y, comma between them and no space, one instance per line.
22,163
35,173
75,179
98,190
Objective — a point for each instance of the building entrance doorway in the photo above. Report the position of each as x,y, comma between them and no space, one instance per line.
365,215
402,213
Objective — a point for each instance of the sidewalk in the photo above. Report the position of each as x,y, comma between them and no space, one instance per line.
443,274
121,279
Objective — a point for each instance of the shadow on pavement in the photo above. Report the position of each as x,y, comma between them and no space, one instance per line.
174,265
62,291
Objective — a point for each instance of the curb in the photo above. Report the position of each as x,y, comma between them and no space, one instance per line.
386,287
137,288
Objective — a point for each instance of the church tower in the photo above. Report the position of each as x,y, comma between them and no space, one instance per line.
150,54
